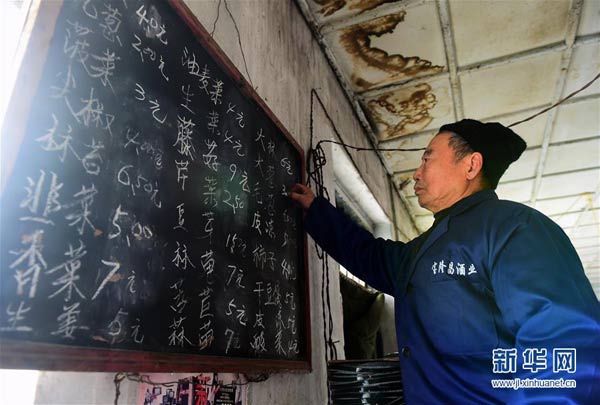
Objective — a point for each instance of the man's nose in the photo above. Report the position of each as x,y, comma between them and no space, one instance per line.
417,174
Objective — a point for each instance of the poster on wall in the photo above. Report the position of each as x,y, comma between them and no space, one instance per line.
201,389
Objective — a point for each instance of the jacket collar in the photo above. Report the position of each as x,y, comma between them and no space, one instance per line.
442,227
470,201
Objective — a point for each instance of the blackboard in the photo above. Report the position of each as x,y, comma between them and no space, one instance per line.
145,222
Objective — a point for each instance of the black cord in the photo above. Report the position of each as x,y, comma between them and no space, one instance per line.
239,41
216,19
316,160
379,149
585,86
117,380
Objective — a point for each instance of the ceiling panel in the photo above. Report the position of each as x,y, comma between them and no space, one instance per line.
519,191
404,182
569,184
586,242
328,10
564,204
424,222
485,29
398,46
413,203
584,233
589,250
590,18
524,167
531,131
403,161
571,219
418,34
411,109
577,120
585,65
580,246
510,87
587,155
589,257
594,270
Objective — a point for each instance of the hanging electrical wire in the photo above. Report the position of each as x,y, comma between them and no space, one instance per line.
239,37
559,102
318,155
316,160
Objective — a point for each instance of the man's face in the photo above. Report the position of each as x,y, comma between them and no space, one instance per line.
440,181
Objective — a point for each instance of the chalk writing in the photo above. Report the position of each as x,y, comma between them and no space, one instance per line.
180,217
105,69
32,259
15,317
150,22
147,208
177,336
32,201
135,332
185,129
235,202
216,92
115,328
182,168
68,322
70,267
141,183
80,216
210,191
146,147
53,141
181,259
210,157
92,112
115,266
187,98
206,334
111,24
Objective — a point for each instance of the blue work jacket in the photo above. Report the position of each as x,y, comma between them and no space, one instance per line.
496,291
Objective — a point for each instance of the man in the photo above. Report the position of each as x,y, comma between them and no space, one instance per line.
493,290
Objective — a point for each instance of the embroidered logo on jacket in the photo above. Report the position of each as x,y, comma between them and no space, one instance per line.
451,268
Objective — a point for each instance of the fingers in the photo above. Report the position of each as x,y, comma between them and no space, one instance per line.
300,188
302,195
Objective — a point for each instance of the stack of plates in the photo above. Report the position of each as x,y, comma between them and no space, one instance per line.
354,382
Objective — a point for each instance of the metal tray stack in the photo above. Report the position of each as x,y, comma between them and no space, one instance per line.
373,382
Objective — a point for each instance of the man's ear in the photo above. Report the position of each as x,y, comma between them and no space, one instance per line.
475,165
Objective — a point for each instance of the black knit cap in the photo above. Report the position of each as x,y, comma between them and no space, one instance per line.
498,145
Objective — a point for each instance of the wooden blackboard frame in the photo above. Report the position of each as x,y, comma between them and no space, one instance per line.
37,35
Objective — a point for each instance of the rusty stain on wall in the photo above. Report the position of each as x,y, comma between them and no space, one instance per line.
397,115
365,84
357,43
331,6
